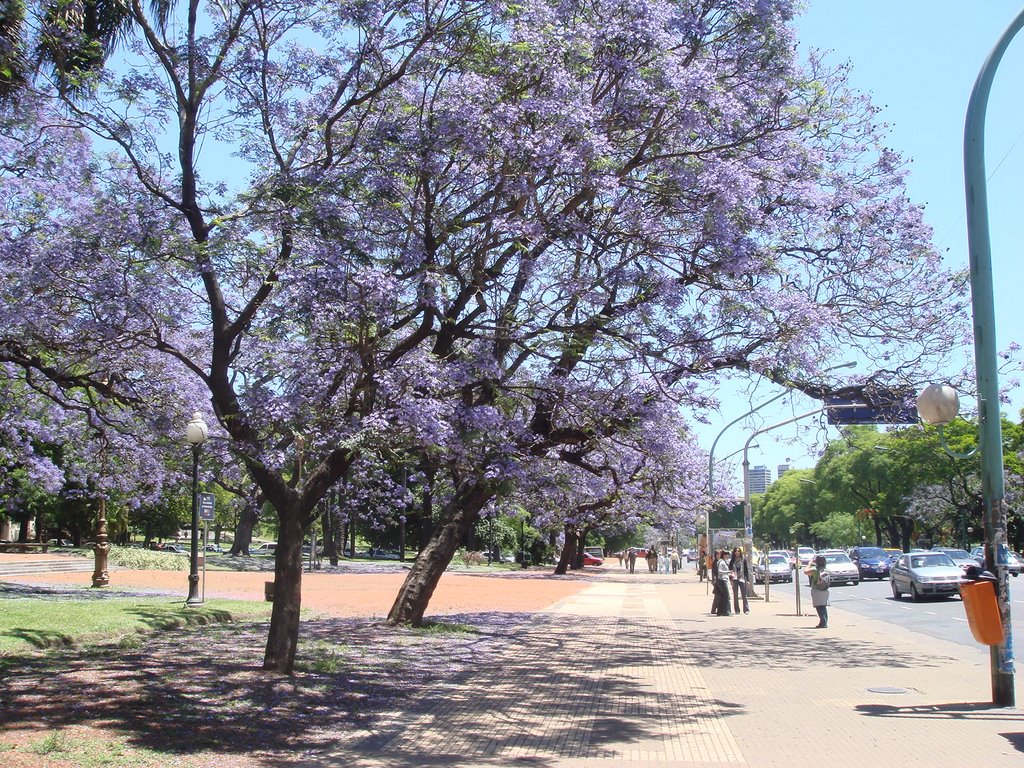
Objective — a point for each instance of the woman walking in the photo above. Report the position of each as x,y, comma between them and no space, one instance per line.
820,582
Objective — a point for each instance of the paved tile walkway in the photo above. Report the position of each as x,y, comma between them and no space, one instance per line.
634,672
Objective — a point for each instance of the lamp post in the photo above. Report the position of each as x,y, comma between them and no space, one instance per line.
195,435
101,575
938,405
711,453
986,355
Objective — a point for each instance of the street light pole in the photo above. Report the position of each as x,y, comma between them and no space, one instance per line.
990,439
195,434
751,412
101,574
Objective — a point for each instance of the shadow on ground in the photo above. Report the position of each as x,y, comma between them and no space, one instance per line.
363,689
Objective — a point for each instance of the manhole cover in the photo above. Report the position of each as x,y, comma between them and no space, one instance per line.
886,689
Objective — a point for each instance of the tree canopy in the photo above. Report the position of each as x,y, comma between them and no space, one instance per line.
489,238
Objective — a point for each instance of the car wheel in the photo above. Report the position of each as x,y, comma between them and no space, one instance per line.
914,594
895,591
855,582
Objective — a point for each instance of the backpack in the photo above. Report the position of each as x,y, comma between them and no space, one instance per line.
823,581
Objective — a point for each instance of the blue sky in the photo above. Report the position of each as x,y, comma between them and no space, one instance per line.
918,59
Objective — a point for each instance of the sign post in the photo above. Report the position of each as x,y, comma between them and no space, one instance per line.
206,514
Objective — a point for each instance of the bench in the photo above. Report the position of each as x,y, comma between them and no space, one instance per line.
23,546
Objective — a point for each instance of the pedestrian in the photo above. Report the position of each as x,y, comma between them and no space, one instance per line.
652,559
631,559
721,586
621,558
674,555
738,566
702,565
820,582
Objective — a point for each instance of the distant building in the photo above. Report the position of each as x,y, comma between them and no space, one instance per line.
760,479
781,470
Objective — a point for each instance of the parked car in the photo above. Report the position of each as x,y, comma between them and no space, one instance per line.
777,566
589,559
1013,563
379,553
871,562
840,567
961,557
925,573
172,548
213,548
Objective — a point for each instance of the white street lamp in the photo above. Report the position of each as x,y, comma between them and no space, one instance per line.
938,404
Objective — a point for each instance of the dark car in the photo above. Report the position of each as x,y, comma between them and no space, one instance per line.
871,562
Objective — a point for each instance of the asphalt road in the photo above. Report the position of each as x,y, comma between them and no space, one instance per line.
941,617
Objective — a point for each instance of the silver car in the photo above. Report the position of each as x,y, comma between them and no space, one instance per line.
778,569
925,573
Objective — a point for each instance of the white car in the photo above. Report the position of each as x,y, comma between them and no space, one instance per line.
805,555
841,569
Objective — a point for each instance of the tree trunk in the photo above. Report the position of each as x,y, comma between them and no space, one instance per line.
330,535
246,522
283,636
568,551
458,518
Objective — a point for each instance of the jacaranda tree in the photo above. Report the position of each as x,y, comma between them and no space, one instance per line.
478,235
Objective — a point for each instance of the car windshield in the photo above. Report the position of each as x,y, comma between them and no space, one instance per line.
871,552
837,558
778,560
931,560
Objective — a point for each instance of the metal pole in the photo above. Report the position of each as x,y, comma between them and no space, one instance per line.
986,360
193,572
747,514
206,535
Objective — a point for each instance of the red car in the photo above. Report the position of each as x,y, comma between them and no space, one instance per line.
589,559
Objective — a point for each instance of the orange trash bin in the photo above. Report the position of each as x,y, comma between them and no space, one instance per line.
982,609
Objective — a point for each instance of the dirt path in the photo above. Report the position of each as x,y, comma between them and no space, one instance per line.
354,594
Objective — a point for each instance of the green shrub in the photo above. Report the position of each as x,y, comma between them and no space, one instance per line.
147,560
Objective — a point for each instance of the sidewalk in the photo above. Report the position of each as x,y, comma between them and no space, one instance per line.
632,671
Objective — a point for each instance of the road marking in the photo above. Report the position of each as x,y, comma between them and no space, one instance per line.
957,618
931,613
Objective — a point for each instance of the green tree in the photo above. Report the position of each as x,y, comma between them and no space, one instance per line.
787,510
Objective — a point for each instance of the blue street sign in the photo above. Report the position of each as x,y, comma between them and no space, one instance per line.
206,506
896,411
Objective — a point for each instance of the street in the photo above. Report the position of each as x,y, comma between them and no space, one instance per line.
942,618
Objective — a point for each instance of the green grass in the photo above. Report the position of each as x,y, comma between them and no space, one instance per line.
91,753
439,627
32,624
